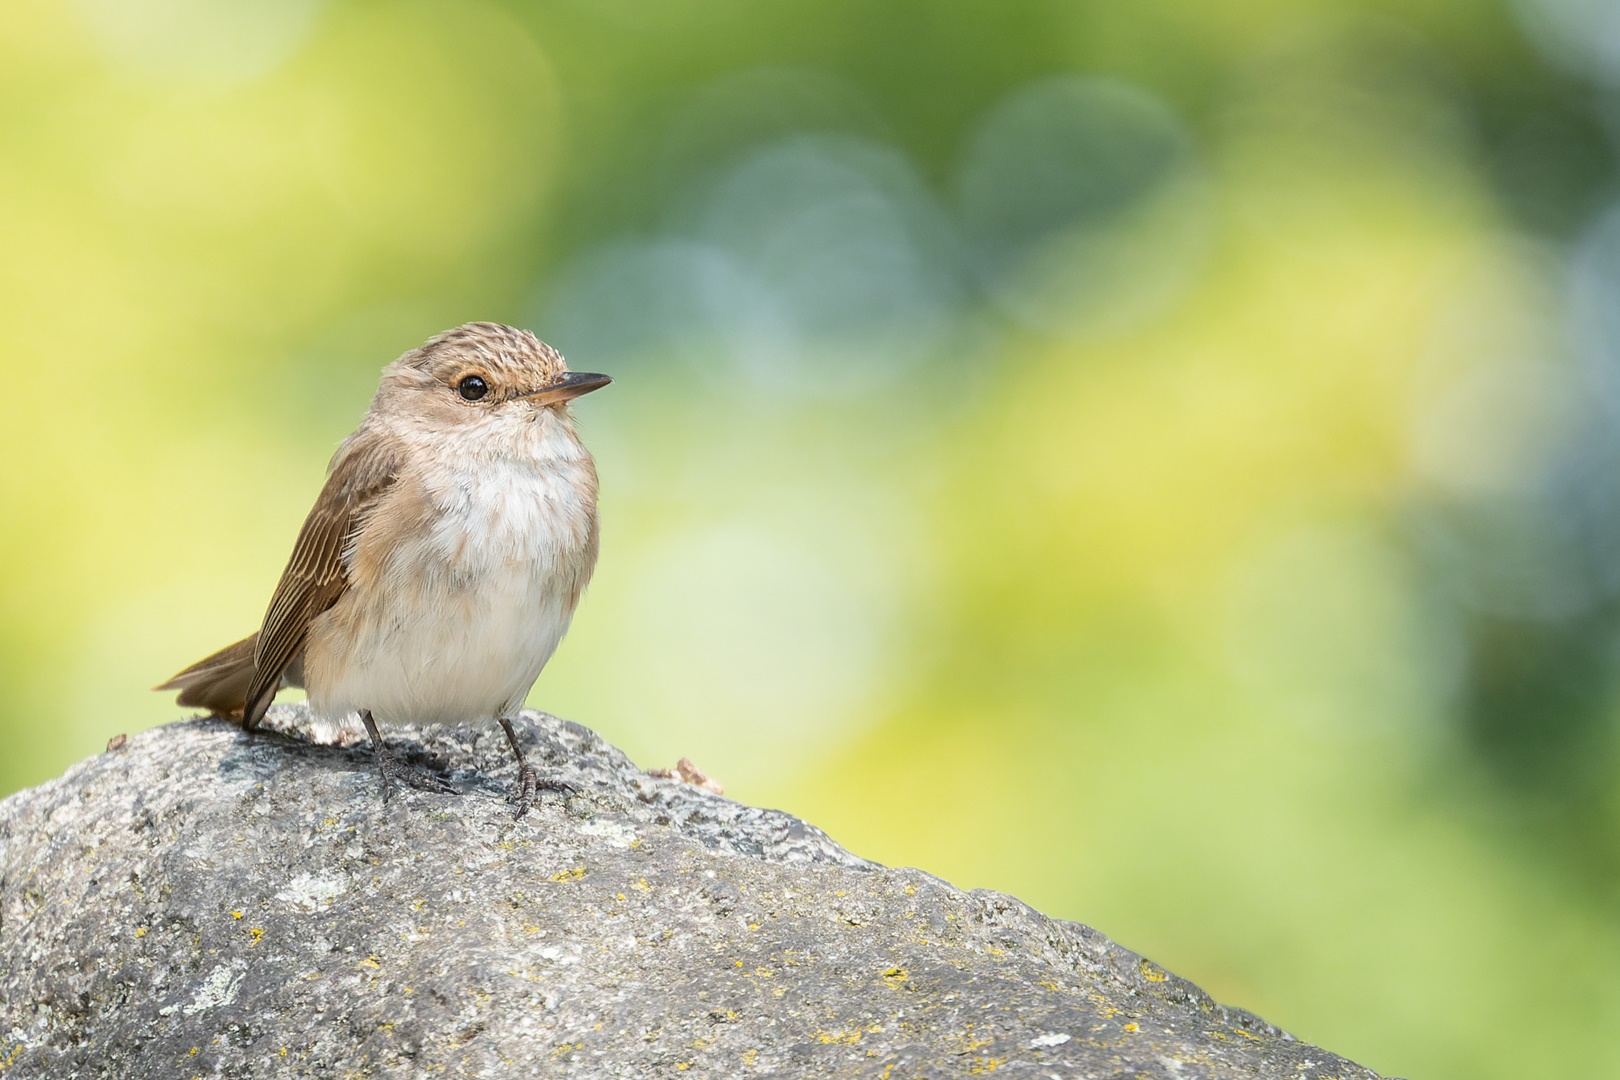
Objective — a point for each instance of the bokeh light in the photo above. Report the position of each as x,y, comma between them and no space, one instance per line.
1159,461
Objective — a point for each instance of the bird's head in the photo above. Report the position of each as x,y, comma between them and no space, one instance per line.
479,373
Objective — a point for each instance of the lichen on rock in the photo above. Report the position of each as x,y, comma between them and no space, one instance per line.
198,903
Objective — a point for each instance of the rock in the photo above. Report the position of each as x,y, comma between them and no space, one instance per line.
197,903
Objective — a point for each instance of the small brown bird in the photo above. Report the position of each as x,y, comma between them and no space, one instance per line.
443,559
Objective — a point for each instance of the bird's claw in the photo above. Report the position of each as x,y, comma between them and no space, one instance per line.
529,784
395,772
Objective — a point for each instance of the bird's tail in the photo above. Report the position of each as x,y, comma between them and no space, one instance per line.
219,682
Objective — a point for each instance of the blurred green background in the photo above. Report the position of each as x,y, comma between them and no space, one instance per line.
1161,460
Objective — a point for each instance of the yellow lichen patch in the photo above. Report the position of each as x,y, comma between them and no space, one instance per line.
567,1048
140,931
749,1055
1251,1036
981,1066
1131,1028
842,1037
896,976
1152,972
255,935
236,914
683,1065
643,886
569,875
911,890
370,962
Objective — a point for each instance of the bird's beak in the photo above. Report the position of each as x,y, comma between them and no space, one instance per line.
568,388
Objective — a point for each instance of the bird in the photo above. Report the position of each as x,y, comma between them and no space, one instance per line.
442,561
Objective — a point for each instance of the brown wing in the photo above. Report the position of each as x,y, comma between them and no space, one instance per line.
314,579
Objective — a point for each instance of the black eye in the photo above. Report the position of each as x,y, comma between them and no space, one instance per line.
472,388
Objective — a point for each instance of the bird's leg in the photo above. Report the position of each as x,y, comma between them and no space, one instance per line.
529,782
393,769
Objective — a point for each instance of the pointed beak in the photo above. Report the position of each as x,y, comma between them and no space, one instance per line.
569,387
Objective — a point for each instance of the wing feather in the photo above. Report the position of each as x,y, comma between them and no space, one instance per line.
363,470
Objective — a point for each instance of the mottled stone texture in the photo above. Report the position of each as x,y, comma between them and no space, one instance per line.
196,903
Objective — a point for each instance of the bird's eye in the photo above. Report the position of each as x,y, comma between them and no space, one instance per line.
472,387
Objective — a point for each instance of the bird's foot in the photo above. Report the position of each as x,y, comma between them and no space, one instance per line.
395,772
529,784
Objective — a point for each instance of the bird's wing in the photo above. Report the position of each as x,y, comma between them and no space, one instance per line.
361,472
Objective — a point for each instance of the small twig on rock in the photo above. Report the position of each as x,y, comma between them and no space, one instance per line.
688,773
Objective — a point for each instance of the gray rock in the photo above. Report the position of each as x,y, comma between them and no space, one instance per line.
196,903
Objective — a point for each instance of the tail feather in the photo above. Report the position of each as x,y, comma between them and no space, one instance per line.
218,682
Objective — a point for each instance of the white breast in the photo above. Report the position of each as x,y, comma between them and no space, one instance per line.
474,604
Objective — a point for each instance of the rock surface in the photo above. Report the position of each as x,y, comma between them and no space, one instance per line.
195,903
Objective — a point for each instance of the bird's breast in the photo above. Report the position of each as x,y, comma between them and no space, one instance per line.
505,519
452,617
